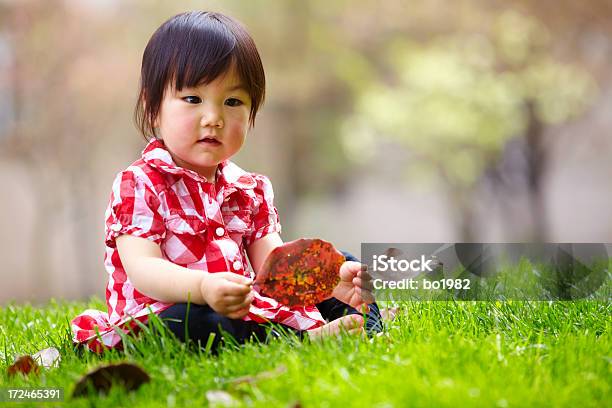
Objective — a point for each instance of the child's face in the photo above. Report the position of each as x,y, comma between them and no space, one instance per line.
205,125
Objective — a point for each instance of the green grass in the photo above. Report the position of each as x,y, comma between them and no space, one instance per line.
433,354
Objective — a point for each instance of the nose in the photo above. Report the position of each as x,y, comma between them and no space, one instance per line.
212,117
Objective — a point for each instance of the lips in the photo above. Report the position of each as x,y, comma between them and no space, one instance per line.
210,141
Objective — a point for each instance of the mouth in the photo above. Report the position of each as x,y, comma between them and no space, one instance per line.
209,141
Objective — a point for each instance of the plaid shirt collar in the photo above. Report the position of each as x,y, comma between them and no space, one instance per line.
156,155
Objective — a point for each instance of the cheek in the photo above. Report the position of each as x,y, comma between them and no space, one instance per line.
238,132
184,119
239,123
177,123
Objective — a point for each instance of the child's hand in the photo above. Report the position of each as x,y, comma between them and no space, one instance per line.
355,285
227,293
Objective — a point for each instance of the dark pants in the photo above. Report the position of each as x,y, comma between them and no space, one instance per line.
202,321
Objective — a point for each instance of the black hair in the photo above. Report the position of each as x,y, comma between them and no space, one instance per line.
195,48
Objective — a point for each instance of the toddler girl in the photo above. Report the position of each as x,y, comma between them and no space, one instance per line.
184,223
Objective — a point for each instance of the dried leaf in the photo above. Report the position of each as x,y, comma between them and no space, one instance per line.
24,365
101,379
47,358
221,398
300,272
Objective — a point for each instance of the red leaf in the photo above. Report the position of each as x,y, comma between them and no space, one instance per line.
24,365
301,272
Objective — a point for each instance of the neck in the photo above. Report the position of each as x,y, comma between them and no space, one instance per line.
211,177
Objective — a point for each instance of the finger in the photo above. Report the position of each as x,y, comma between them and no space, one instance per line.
357,281
367,285
366,281
349,269
244,304
236,299
239,314
234,277
363,284
235,289
364,274
232,300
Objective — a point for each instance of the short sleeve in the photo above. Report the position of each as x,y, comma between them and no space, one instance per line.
134,209
264,215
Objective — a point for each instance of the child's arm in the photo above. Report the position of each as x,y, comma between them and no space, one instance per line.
259,250
226,292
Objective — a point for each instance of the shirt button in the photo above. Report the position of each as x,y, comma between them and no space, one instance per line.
237,265
220,231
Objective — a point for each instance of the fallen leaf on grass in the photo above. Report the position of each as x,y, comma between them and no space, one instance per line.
28,364
101,379
24,365
47,358
300,272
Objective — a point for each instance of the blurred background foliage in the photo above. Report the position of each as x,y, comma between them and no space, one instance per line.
412,121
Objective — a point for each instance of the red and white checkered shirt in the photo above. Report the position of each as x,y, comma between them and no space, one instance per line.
198,225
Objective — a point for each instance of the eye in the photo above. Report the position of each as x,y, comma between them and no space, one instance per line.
192,99
233,102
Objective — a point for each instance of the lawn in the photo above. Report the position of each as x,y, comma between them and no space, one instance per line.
501,354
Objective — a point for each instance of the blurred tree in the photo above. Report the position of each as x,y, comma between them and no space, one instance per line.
454,100
56,80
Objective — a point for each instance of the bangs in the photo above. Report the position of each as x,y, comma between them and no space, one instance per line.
201,54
